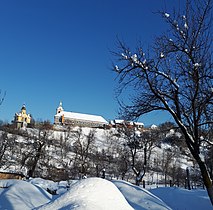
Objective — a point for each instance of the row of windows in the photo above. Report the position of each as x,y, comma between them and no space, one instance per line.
78,122
82,123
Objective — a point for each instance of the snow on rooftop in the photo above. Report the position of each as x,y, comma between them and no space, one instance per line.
139,123
112,122
80,116
119,121
154,126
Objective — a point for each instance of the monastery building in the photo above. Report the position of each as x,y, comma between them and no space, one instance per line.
78,119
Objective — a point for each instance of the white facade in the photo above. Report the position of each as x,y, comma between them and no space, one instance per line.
77,119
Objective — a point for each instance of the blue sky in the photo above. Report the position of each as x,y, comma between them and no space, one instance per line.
52,51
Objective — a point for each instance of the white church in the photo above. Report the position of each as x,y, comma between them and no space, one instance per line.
78,119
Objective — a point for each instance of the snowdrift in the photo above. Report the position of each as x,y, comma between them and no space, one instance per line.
96,193
17,194
90,194
140,198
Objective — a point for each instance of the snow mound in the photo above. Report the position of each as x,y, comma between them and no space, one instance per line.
140,198
45,184
21,195
179,198
90,194
57,187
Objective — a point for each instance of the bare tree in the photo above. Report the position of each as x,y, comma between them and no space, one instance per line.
123,162
64,146
134,142
210,161
39,140
7,148
82,147
166,161
3,145
175,76
114,157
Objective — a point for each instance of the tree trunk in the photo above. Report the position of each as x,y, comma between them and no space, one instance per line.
165,179
206,179
32,170
137,181
36,159
204,171
188,186
97,171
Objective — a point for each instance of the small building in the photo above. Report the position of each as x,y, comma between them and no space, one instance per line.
138,124
123,123
78,119
9,175
22,119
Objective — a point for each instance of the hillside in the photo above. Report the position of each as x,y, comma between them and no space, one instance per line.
76,152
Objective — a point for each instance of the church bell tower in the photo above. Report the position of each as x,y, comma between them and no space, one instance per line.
60,108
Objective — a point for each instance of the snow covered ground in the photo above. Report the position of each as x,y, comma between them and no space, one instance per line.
178,198
96,193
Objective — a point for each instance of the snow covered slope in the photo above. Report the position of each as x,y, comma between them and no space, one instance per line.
140,198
